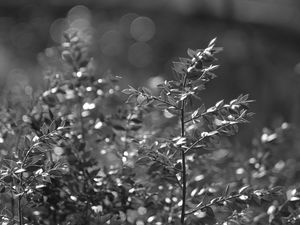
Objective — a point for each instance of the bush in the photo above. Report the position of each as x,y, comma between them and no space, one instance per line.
77,154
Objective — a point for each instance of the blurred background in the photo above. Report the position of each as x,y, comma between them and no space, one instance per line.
139,39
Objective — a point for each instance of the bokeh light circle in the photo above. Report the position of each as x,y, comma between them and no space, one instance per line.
125,23
79,12
57,29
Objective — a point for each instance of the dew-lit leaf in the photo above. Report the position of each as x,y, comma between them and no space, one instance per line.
21,170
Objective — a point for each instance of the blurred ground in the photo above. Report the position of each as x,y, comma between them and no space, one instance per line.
139,39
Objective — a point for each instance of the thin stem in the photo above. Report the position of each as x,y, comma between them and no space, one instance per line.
81,121
183,186
20,203
12,201
182,110
20,211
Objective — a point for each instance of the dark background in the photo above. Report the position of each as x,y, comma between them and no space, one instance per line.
138,40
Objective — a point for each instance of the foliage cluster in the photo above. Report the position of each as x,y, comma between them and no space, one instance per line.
77,154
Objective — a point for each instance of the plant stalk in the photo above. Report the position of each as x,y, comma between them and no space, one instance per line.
20,210
12,201
182,110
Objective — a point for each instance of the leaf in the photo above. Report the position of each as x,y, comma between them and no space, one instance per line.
186,61
212,133
209,211
143,161
161,105
39,186
173,111
245,97
192,53
44,129
212,42
51,114
118,127
214,200
243,189
2,189
256,199
128,91
7,179
219,104
105,218
195,113
147,91
27,143
181,141
141,99
294,198
216,50
136,120
179,67
52,126
211,109
21,170
171,100
178,166
55,173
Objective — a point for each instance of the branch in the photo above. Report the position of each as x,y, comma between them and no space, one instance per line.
212,203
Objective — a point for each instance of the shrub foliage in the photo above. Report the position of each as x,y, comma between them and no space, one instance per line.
78,154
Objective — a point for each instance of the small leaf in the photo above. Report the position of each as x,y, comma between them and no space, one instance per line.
44,129
214,200
141,99
243,189
211,109
118,127
55,173
143,161
7,179
212,42
128,91
161,106
2,189
40,186
219,104
51,115
52,126
192,53
195,113
136,120
294,198
209,211
171,100
181,141
178,166
179,67
27,143
21,170
256,199
147,91
172,111
227,190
